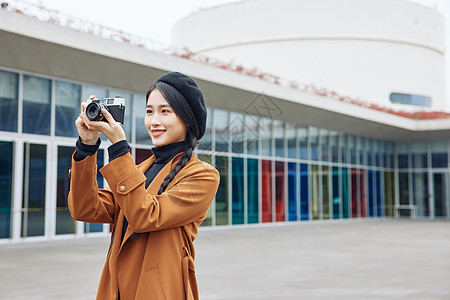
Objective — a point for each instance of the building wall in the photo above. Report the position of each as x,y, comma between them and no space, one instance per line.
364,49
271,170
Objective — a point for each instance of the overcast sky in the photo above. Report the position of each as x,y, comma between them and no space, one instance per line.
154,19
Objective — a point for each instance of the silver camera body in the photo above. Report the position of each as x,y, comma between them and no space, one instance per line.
115,106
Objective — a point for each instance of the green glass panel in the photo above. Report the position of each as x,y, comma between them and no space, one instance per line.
6,185
237,177
315,186
252,191
208,220
325,192
222,192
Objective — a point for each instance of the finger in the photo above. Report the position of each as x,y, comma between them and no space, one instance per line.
83,106
108,116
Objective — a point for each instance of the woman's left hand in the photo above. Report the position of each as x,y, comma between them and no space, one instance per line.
112,130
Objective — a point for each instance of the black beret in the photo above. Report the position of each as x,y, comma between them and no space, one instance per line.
190,91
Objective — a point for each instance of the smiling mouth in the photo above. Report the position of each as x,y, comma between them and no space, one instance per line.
157,132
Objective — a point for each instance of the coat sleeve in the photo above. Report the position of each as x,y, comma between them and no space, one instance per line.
186,199
86,201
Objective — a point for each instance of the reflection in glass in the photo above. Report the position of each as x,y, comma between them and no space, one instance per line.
279,133
67,100
253,191
292,192
237,178
33,192
64,221
325,192
334,137
291,136
336,198
139,107
36,105
324,145
302,133
6,187
345,194
421,194
265,126
419,154
222,192
9,83
236,130
266,186
205,142
251,127
389,190
304,192
314,143
402,155
439,157
440,181
315,192
221,129
279,192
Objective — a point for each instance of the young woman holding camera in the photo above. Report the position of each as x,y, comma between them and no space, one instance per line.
157,206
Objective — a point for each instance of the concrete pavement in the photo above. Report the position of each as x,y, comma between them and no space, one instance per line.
356,259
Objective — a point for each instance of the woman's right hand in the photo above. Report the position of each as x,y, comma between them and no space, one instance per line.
88,136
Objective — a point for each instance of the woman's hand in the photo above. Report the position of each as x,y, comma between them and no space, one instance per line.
88,136
89,131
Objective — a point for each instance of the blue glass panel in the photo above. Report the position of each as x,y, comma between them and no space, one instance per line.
206,140
291,140
36,105
279,134
6,182
439,157
304,194
237,165
378,187
221,130
64,222
302,134
292,192
252,191
314,143
9,102
67,106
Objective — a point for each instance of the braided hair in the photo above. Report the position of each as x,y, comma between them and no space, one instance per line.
182,109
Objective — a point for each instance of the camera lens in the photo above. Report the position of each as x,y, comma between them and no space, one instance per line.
94,111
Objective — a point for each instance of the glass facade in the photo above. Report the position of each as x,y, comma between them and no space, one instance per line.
270,170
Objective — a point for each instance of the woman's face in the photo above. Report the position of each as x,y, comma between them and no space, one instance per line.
163,125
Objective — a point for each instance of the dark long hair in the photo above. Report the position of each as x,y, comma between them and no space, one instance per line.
181,107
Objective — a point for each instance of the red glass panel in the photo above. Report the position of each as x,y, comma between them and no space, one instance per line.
362,192
142,154
266,184
354,185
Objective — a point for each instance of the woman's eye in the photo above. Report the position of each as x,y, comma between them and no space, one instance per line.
148,111
164,111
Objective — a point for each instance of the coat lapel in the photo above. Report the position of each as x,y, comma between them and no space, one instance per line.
154,185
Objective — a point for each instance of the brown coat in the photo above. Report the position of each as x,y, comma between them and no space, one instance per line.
159,264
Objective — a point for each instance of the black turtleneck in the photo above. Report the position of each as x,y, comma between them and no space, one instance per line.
163,155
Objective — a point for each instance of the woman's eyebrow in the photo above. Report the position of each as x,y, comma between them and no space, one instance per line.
162,105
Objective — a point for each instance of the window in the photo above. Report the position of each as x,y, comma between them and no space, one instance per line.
36,105
8,101
410,99
67,101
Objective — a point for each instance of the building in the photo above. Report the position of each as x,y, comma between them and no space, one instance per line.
285,153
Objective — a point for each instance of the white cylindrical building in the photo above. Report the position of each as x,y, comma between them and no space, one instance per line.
379,51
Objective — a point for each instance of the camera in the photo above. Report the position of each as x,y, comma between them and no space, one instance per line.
115,106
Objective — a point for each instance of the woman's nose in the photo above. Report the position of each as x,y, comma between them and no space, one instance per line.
155,120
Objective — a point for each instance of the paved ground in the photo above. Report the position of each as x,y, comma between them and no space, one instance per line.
366,259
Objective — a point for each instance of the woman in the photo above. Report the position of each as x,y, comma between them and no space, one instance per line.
157,206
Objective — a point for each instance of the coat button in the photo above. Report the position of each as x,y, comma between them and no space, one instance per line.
122,188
